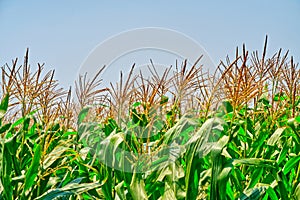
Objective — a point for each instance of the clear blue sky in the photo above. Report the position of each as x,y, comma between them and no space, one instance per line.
62,33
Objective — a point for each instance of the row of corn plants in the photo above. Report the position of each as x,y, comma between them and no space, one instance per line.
183,134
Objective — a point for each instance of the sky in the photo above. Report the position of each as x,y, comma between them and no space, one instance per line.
62,34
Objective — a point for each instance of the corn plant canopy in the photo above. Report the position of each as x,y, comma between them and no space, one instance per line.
182,134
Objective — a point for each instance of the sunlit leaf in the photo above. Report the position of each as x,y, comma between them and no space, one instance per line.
290,164
275,137
33,169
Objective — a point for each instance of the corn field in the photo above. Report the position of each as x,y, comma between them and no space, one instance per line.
184,134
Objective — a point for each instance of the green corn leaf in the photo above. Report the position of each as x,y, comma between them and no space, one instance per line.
54,155
108,148
255,177
83,113
237,180
266,197
272,194
229,191
4,105
68,190
6,171
5,128
225,171
164,99
69,132
11,144
136,104
253,194
137,188
55,194
257,145
283,183
33,169
297,119
227,106
184,126
283,188
121,194
18,122
26,124
258,162
283,153
217,186
290,164
275,137
196,144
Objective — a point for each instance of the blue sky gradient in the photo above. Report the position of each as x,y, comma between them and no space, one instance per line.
62,33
